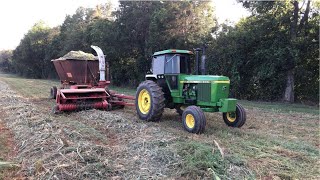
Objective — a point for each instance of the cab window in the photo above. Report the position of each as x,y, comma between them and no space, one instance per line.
158,65
172,65
185,65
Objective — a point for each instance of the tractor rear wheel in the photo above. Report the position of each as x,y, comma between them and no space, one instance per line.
53,92
193,119
235,119
149,101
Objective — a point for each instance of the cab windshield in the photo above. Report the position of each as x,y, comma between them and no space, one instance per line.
177,63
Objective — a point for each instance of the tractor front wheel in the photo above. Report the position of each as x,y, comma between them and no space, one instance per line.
235,119
149,101
193,119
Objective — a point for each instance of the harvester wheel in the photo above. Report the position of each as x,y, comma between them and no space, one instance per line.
149,101
235,119
193,119
53,92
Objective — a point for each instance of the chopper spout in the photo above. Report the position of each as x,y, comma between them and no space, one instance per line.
102,62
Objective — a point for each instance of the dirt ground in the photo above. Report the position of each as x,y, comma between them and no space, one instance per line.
96,144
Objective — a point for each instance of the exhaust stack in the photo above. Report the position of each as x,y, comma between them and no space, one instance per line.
197,60
203,60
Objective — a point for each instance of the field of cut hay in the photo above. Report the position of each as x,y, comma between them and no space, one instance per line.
279,141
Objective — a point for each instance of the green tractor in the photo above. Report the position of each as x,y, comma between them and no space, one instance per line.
171,85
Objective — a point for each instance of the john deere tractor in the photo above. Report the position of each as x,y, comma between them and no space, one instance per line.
172,85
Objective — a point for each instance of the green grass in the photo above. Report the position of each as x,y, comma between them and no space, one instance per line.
39,88
282,107
123,90
201,159
29,88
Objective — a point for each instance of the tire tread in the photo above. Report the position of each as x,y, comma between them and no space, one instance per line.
157,100
241,117
200,119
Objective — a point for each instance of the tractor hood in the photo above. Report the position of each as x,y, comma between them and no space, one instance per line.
204,78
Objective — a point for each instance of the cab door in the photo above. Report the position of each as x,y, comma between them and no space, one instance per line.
172,71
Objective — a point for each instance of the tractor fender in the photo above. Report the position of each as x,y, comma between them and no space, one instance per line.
151,77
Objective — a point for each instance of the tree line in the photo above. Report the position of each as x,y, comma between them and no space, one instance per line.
270,55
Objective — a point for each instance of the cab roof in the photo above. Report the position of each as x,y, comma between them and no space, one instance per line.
172,51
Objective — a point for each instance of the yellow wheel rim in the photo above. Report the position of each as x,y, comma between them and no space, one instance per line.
231,116
190,121
144,101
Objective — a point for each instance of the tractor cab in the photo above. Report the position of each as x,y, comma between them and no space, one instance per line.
172,61
167,68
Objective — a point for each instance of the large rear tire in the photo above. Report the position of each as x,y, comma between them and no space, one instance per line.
194,120
149,101
235,119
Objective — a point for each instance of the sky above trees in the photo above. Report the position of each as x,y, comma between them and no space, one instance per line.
17,17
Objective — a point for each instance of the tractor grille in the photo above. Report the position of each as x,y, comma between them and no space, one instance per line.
204,92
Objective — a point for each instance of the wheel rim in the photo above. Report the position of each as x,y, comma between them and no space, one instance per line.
231,116
190,122
144,101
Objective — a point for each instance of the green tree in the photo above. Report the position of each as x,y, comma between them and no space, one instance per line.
295,17
145,27
181,25
6,61
258,52
72,31
29,57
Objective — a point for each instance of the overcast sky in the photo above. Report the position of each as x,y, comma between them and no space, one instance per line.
18,16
